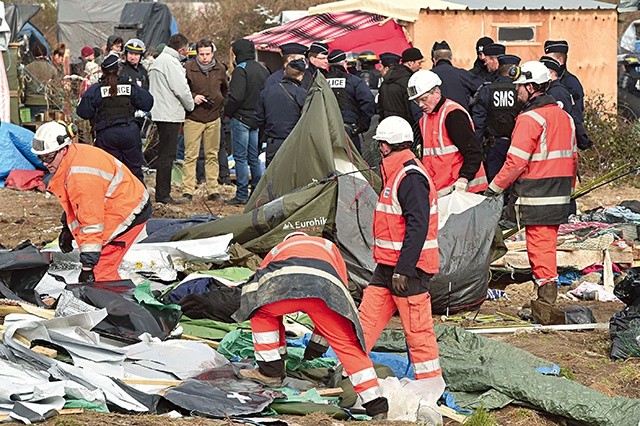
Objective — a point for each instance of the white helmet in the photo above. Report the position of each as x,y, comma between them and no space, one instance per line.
51,137
394,130
533,72
421,82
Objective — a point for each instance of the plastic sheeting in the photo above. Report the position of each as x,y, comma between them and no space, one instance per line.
15,146
21,269
467,227
475,364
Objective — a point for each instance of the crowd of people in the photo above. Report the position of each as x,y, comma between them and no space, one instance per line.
499,128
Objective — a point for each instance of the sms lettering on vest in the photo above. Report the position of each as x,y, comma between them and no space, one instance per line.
122,90
503,98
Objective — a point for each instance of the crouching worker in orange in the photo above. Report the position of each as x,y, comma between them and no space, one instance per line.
405,233
105,206
307,274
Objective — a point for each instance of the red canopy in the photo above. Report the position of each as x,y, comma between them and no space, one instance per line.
353,31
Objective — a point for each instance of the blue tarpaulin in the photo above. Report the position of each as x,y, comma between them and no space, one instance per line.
15,146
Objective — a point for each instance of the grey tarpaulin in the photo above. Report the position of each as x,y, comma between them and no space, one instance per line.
221,398
465,251
471,363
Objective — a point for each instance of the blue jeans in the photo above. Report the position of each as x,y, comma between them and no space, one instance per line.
245,154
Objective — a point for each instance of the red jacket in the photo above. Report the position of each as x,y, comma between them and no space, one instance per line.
441,156
541,164
389,224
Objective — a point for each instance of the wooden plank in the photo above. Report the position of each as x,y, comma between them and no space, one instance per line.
48,352
66,411
37,311
452,414
211,343
327,392
154,382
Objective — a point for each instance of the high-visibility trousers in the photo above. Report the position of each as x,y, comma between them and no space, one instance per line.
268,340
112,254
378,306
542,241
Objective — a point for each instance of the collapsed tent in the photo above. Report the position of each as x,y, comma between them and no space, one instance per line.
331,196
15,145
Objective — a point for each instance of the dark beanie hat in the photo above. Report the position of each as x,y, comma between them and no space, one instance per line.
494,49
552,64
482,42
298,64
411,54
337,56
556,46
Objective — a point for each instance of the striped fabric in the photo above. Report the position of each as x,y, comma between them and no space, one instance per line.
322,28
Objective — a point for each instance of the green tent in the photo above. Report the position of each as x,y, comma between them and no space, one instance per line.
317,183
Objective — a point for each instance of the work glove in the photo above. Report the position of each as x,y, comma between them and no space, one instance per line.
65,240
86,275
490,193
399,283
461,185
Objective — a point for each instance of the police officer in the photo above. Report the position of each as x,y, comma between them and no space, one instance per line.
494,111
491,53
132,70
387,60
457,84
290,52
110,105
558,50
369,74
317,55
280,107
563,97
479,67
356,102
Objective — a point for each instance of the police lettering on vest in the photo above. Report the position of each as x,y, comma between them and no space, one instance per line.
337,83
122,90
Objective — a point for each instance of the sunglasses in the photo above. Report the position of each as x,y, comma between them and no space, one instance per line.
48,158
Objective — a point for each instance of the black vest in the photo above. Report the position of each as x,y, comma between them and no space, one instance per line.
118,110
371,78
337,79
502,109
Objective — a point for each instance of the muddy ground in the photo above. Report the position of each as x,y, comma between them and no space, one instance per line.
584,355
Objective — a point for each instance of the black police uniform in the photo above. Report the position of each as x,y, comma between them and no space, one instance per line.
356,102
113,121
371,76
564,98
134,75
457,84
278,112
494,111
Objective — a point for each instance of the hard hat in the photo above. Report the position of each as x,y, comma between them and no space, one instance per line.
193,52
352,57
421,82
394,130
51,137
134,45
532,72
368,56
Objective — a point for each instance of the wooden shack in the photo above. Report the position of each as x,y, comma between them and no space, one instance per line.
589,26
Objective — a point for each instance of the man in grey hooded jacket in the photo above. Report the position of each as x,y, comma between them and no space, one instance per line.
168,85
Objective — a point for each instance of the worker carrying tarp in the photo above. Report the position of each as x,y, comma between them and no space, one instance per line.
307,274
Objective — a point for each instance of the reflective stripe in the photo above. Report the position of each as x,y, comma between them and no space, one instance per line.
316,338
385,244
519,153
115,181
91,247
74,225
327,246
129,220
90,171
443,115
370,394
426,366
363,376
92,229
266,337
546,281
543,201
389,208
440,150
567,153
477,181
445,191
267,356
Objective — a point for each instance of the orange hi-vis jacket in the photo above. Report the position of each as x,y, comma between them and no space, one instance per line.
389,224
441,157
99,195
541,164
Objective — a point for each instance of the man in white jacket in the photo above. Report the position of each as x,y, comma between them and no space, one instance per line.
168,85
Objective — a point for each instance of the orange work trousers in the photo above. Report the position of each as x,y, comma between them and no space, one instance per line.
112,254
378,306
268,338
542,241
